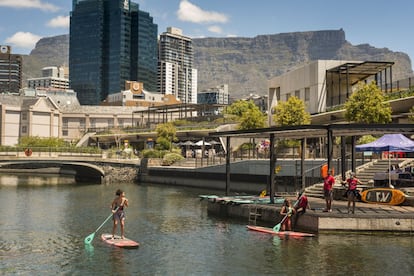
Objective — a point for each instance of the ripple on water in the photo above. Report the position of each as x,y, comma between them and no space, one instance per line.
37,250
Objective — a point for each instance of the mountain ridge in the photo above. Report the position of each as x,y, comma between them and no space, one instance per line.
245,64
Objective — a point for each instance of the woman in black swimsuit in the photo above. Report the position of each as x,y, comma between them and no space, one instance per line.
118,209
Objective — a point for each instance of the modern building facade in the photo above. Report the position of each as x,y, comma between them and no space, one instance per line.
214,96
111,41
146,55
52,77
10,70
325,85
176,73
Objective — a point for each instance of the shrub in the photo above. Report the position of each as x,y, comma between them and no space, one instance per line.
171,158
151,153
36,141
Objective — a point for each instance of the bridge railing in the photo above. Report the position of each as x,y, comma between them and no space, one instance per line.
50,152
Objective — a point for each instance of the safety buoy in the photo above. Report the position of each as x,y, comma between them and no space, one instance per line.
28,152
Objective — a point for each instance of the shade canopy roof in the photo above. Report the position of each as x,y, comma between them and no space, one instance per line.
389,142
201,142
358,71
314,131
186,143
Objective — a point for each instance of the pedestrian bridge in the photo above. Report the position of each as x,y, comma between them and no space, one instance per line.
83,171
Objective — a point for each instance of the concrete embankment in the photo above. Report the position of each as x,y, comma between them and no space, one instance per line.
247,176
368,218
120,174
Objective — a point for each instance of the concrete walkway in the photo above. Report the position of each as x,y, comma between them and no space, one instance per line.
368,218
340,207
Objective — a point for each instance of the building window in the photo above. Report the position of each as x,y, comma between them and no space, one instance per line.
24,116
24,129
65,132
82,123
297,94
278,93
307,94
65,123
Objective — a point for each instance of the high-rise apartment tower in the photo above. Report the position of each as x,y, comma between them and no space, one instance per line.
111,41
10,70
176,73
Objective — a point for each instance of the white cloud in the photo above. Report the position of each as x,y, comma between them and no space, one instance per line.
23,40
29,4
59,22
192,13
215,29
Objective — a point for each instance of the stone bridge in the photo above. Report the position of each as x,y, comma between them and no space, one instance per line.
84,168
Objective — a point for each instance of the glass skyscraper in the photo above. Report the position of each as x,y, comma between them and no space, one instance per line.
111,41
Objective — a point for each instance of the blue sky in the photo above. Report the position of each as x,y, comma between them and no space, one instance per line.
380,23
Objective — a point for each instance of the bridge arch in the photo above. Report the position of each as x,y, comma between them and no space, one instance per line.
84,172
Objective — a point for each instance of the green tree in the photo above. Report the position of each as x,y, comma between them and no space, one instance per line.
239,107
366,139
166,134
252,118
291,113
367,105
411,116
247,114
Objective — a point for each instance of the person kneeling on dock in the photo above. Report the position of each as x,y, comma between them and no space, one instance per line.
300,206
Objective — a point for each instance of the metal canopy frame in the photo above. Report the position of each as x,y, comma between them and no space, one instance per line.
358,71
165,113
309,131
341,79
316,131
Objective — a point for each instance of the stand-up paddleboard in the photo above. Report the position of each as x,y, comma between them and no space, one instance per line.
280,233
387,196
118,241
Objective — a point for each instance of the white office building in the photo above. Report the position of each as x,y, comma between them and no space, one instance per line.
52,77
176,73
324,85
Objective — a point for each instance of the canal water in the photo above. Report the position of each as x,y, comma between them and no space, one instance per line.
42,231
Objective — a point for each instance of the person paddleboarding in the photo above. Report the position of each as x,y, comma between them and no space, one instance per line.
118,209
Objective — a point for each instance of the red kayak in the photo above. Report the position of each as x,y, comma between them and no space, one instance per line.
118,241
280,233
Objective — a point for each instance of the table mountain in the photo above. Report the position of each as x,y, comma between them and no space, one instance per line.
245,64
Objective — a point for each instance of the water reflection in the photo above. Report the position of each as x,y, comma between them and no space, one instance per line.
37,179
43,230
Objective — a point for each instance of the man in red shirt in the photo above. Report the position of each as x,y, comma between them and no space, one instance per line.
328,183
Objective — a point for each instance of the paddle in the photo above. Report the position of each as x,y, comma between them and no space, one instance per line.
276,228
89,238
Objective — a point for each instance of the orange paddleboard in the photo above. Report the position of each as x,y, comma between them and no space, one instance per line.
118,241
385,196
280,233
